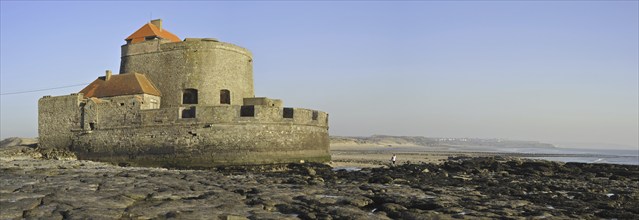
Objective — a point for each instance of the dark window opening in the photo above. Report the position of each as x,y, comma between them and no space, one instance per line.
247,111
189,96
315,114
128,41
121,104
288,113
150,38
92,126
188,112
225,96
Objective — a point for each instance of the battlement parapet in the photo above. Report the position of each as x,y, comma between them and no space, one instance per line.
232,115
263,101
126,111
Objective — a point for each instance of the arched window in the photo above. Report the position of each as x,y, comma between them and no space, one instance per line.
189,96
225,96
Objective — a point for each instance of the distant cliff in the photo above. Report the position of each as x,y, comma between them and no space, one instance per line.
385,140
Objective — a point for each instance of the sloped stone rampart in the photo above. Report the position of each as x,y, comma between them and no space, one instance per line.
201,145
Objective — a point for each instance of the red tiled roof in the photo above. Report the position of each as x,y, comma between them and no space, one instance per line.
150,30
121,84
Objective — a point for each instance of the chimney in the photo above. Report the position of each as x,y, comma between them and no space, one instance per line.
108,75
157,23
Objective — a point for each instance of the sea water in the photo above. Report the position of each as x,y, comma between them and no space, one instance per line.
612,156
616,156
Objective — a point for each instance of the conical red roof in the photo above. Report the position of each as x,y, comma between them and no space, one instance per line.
150,30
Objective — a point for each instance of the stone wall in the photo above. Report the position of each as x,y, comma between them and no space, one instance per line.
116,111
149,101
123,110
196,145
262,114
114,114
117,130
205,65
90,115
59,119
263,101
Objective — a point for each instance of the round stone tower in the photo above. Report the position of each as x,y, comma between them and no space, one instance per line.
199,71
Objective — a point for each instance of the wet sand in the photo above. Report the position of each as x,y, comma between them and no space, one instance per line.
380,156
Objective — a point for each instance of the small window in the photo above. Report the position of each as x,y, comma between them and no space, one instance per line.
288,113
128,41
247,111
121,103
189,96
92,126
315,114
188,112
150,38
154,103
225,96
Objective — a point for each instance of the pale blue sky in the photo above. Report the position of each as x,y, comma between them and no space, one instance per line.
563,71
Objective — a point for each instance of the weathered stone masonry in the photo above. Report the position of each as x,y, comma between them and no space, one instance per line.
190,104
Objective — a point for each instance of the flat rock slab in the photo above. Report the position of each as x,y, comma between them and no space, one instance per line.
490,187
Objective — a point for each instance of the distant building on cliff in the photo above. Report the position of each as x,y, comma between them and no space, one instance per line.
181,103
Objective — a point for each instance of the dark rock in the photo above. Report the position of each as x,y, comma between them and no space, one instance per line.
393,210
357,201
426,204
380,179
463,187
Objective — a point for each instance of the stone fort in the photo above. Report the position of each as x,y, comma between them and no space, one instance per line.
180,103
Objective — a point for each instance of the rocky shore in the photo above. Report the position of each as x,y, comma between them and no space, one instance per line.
459,187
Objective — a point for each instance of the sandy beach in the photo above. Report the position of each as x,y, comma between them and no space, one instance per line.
376,156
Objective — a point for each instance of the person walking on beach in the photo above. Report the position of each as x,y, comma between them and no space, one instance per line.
393,159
